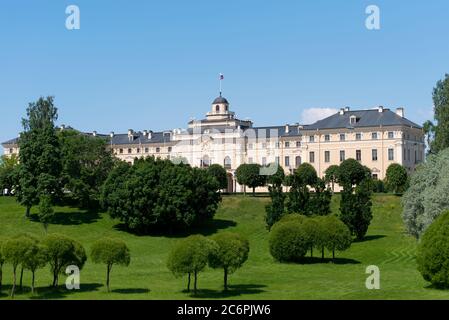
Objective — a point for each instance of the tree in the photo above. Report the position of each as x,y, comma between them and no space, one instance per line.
46,211
331,175
396,178
190,256
429,132
355,203
338,237
110,252
40,159
8,172
441,108
426,198
86,163
304,176
433,252
231,253
219,173
276,209
62,252
288,241
14,252
34,259
320,202
157,194
248,174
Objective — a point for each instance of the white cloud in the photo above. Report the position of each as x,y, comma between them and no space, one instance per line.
311,115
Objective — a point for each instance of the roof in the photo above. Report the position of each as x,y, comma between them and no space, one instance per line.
220,99
365,118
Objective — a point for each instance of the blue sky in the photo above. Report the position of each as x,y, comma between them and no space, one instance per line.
155,64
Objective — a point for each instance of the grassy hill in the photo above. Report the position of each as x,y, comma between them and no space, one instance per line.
147,277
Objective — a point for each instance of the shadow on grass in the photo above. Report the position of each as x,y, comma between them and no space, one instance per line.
370,237
318,260
206,229
233,291
437,287
131,290
71,218
62,292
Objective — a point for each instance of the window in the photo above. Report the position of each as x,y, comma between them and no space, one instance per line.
158,149
121,151
311,156
129,151
277,160
227,163
297,161
287,161
375,176
11,150
405,158
358,136
390,154
146,150
138,150
250,146
250,160
374,135
327,156
277,145
169,149
358,155
416,157
408,154
327,137
287,144
342,137
298,144
352,119
311,138
342,155
390,135
264,161
217,108
374,154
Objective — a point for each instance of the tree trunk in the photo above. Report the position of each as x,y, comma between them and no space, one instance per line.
13,282
1,275
55,279
254,192
322,253
107,277
244,190
311,251
195,282
27,213
21,278
333,255
225,279
32,282
188,283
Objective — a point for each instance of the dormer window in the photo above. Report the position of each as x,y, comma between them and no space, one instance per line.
353,120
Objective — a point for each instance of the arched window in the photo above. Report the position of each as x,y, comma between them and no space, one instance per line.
227,163
205,162
217,108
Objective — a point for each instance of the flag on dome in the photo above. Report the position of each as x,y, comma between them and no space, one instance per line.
221,76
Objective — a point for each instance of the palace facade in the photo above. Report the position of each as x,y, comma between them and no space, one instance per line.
375,137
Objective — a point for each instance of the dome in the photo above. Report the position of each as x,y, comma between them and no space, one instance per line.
220,99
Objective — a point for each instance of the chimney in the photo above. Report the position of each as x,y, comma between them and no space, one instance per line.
380,109
342,111
346,109
287,128
130,134
150,134
111,134
94,133
145,133
400,112
62,127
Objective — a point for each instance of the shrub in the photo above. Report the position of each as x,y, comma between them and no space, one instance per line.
337,235
219,173
433,252
396,178
288,241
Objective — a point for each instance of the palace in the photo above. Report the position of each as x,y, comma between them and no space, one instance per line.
375,137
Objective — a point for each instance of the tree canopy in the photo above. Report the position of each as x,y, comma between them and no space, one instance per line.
219,173
441,107
396,178
248,174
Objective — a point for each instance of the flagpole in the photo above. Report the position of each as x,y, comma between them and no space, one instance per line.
220,83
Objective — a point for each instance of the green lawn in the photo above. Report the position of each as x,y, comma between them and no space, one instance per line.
147,277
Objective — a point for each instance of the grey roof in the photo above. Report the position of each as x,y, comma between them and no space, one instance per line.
220,99
139,137
365,118
12,141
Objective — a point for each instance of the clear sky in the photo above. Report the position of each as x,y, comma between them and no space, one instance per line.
155,64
